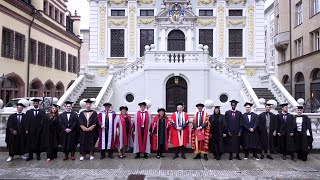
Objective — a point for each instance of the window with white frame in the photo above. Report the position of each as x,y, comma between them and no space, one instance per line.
315,7
299,13
299,47
316,39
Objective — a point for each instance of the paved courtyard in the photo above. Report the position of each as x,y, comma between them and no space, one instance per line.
163,169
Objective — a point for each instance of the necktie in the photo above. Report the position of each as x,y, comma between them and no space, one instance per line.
268,120
179,119
200,119
19,117
143,118
233,115
285,118
36,112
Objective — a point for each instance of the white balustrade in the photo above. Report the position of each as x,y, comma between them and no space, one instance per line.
129,69
105,93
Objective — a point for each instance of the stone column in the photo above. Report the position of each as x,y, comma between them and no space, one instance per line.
94,39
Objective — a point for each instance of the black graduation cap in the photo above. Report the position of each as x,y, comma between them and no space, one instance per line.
234,101
20,104
56,105
123,107
142,104
300,107
248,103
68,102
200,105
107,104
217,107
36,100
161,109
180,104
88,101
284,104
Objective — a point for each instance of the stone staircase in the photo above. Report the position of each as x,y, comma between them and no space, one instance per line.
267,95
89,92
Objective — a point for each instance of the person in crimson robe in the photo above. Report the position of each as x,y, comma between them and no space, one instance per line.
16,133
250,136
303,135
69,123
179,130
106,131
87,121
36,141
286,131
267,129
233,122
123,128
218,131
159,133
200,133
53,129
142,124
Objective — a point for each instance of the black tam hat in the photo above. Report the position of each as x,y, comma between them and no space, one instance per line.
123,107
142,104
161,109
200,105
107,104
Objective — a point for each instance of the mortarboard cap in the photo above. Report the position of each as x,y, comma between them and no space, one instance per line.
300,107
269,104
217,106
234,101
56,105
20,104
68,102
36,100
180,104
142,104
248,103
284,104
88,101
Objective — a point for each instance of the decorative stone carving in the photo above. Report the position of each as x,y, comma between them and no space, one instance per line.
221,29
117,2
146,2
116,62
251,28
236,61
236,1
132,11
101,72
206,1
236,22
176,13
102,28
118,22
146,21
251,71
206,22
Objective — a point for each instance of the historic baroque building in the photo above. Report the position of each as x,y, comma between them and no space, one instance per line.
39,48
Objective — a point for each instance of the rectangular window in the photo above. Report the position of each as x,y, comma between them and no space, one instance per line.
19,47
235,12
7,43
56,15
69,24
235,43
315,36
48,56
299,13
51,11
118,13
45,7
61,18
33,51
206,38
70,66
117,42
315,7
63,61
57,63
206,12
146,38
41,54
147,12
75,64
299,47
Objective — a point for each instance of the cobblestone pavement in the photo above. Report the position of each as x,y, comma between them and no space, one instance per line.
164,169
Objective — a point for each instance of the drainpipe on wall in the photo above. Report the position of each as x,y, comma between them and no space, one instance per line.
290,48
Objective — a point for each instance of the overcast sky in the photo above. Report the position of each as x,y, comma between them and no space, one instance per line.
82,7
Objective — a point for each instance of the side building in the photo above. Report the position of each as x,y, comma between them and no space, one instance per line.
40,46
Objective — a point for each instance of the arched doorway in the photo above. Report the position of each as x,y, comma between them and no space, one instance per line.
11,86
176,41
59,90
36,88
49,89
299,86
286,83
176,92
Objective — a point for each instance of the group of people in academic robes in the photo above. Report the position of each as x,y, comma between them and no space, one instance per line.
36,132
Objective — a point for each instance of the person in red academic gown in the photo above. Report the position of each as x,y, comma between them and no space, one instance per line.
303,135
123,128
286,131
106,131
200,125
142,124
16,133
250,136
179,131
87,121
159,133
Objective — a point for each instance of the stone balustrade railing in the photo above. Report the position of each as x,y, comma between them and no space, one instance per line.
129,69
250,95
105,93
175,57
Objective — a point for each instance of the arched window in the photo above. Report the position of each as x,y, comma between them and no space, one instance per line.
59,90
299,86
11,86
49,89
286,83
315,84
36,88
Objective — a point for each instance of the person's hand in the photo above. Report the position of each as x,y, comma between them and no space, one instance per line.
239,134
251,129
224,135
279,134
103,127
14,132
26,132
230,134
179,128
291,134
198,128
117,131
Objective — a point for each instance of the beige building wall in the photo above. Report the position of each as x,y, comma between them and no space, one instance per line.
84,52
46,30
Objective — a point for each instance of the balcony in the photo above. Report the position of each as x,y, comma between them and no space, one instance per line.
281,41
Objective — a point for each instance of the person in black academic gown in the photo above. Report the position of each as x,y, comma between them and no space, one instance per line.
218,132
233,122
36,141
303,136
286,131
267,129
53,129
16,133
87,121
250,134
69,123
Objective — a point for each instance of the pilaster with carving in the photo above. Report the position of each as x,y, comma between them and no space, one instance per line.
221,18
251,28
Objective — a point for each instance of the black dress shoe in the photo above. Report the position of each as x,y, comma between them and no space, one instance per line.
269,157
38,158
175,156
145,156
29,159
102,157
161,156
205,157
293,159
239,158
197,156
230,157
262,156
218,158
183,156
111,156
158,157
137,156
284,157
